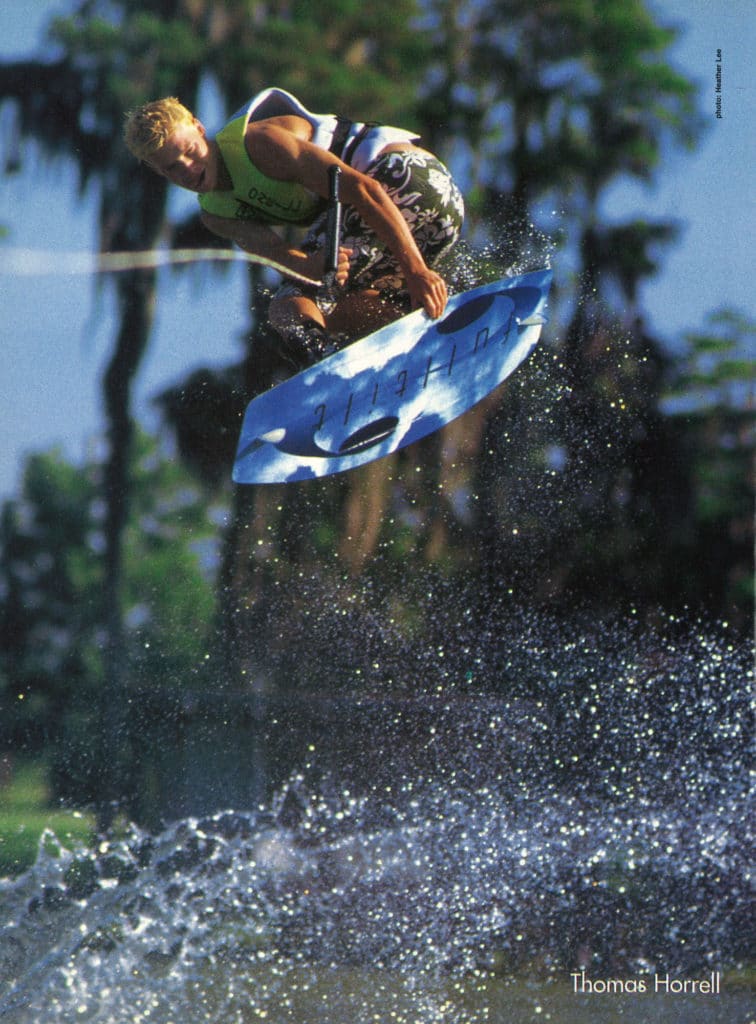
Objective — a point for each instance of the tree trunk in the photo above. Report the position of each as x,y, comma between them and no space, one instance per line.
131,216
136,292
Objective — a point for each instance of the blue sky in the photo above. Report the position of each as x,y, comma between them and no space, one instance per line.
56,330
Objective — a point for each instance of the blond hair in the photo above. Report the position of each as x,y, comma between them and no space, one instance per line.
147,127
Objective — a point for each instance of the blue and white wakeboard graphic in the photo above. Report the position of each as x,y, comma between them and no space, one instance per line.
393,387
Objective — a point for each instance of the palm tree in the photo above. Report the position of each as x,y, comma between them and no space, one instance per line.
73,108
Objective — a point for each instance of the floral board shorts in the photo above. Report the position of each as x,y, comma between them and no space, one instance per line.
431,204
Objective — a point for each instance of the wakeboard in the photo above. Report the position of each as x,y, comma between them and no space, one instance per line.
393,387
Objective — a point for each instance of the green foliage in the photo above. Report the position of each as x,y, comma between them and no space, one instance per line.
52,611
47,596
717,371
562,98
352,58
711,401
625,252
25,815
168,590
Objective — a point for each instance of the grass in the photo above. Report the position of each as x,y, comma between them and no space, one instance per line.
25,813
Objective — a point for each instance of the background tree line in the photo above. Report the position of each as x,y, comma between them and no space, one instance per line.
607,474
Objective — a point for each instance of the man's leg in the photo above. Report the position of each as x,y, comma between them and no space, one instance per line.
302,329
360,313
308,335
289,312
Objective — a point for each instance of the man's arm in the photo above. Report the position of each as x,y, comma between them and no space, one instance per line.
259,240
262,241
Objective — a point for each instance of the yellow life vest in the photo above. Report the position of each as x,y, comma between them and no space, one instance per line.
254,195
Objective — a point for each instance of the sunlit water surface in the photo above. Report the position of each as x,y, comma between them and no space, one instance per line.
590,811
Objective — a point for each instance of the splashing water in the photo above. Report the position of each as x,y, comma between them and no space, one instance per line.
595,817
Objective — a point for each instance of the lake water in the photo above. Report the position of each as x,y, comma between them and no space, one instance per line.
590,815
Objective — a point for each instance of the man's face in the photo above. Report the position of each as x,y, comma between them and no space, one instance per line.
187,159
